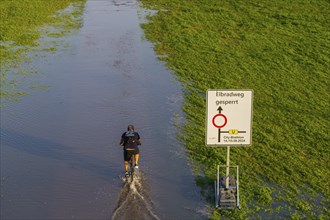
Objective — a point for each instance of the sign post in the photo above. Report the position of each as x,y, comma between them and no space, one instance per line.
227,167
228,123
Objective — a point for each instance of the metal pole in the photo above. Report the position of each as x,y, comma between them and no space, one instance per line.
237,186
217,196
227,167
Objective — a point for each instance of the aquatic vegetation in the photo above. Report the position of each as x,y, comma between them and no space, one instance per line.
22,24
280,49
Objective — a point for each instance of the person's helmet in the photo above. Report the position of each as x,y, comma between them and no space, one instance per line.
130,128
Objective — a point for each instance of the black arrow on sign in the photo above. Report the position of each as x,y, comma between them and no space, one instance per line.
219,131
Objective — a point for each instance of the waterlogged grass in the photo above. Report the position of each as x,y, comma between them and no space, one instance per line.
280,49
22,24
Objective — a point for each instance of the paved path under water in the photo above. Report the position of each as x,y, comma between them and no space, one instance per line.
60,157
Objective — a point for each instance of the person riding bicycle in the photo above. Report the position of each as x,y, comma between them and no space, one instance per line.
130,140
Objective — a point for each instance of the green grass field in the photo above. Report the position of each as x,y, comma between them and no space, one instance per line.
280,49
21,23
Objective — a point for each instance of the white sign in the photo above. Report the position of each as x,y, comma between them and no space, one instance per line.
229,117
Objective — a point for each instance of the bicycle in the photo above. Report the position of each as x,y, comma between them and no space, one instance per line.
132,171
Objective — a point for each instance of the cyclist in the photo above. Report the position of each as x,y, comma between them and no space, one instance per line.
130,140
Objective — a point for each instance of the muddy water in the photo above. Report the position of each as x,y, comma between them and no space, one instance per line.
60,157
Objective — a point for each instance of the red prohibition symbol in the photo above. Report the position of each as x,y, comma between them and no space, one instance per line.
219,126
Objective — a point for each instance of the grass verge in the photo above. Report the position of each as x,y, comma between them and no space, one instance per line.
22,23
280,49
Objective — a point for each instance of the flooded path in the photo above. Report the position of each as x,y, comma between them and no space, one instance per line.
60,157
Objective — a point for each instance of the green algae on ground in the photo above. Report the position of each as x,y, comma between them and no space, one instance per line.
280,49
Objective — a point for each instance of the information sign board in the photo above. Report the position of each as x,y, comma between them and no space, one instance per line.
229,117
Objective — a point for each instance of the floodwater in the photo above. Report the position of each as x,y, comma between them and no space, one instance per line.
60,153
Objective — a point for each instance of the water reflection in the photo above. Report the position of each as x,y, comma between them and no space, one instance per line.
51,150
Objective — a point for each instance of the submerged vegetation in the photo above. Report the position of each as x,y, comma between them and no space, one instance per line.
22,24
280,49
